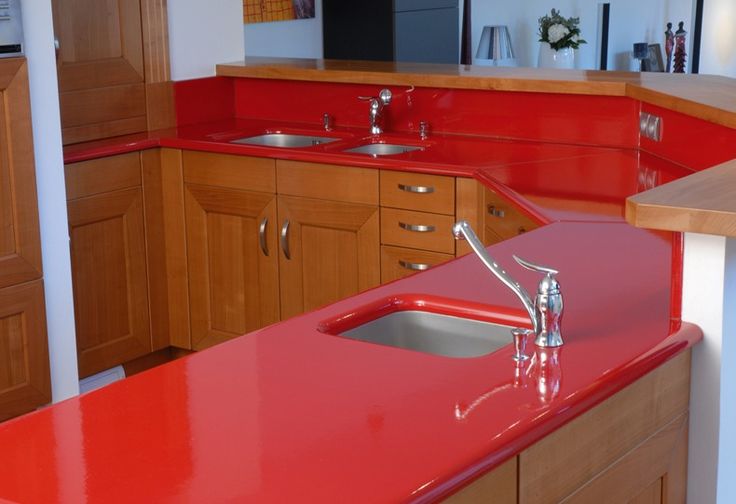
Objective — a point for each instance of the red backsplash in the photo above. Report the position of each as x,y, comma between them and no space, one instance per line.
204,100
593,120
689,141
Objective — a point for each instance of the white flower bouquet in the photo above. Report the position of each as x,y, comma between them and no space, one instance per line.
560,32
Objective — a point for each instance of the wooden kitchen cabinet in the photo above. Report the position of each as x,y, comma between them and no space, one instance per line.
109,267
230,206
329,227
24,363
113,68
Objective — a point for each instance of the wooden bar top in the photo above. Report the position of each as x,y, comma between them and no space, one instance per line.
704,202
708,97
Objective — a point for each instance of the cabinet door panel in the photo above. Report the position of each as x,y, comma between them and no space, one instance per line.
110,279
24,359
333,252
233,284
100,59
20,249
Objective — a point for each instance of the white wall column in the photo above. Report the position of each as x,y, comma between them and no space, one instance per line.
709,300
39,48
202,34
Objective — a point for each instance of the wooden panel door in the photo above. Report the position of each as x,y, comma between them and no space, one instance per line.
109,275
330,250
233,265
20,246
24,359
101,68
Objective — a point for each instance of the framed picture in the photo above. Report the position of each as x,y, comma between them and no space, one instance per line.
654,59
264,11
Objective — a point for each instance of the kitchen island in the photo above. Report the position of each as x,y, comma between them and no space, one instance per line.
290,412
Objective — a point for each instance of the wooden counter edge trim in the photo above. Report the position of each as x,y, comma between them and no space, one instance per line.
675,206
684,106
449,81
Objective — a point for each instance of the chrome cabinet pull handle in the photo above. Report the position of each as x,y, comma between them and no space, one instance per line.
496,212
413,266
416,189
416,228
262,236
285,239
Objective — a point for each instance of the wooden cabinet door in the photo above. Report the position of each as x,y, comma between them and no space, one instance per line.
24,358
110,280
20,246
233,265
100,67
329,251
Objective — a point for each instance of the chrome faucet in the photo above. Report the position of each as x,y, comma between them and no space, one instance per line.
545,311
375,112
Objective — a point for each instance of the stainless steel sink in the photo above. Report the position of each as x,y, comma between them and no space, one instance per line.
433,333
285,140
383,149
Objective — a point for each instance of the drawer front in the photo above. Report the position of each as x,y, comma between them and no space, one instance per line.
417,191
327,182
417,230
399,262
229,171
107,174
505,219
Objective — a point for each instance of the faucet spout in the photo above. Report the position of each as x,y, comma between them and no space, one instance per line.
462,230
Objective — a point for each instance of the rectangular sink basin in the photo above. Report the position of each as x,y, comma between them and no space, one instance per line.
433,333
383,149
285,140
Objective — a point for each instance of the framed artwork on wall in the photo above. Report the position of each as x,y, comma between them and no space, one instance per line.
265,11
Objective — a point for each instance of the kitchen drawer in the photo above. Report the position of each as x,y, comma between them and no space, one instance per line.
418,191
417,230
229,171
504,218
107,174
399,262
327,182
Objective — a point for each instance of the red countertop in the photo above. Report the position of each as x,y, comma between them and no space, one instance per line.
289,413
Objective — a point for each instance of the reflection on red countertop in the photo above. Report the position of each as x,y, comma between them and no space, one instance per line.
289,413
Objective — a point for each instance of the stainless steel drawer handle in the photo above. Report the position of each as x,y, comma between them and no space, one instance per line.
496,212
285,239
262,236
417,189
413,266
416,228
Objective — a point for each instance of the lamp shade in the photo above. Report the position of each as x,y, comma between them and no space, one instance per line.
495,44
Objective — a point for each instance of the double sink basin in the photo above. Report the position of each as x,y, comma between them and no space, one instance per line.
296,141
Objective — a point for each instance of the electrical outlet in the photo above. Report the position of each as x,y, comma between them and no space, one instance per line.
650,126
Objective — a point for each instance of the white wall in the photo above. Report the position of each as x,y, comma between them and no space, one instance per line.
202,34
300,38
630,22
718,50
39,47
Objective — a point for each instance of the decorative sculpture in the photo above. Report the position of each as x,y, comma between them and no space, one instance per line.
669,45
680,52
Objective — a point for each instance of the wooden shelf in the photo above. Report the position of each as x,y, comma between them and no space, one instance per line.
704,202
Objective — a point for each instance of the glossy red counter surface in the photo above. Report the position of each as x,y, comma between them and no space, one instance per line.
289,414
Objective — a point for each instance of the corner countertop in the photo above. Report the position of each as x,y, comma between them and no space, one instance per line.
289,413
707,97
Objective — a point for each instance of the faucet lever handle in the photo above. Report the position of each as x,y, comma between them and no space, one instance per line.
535,267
